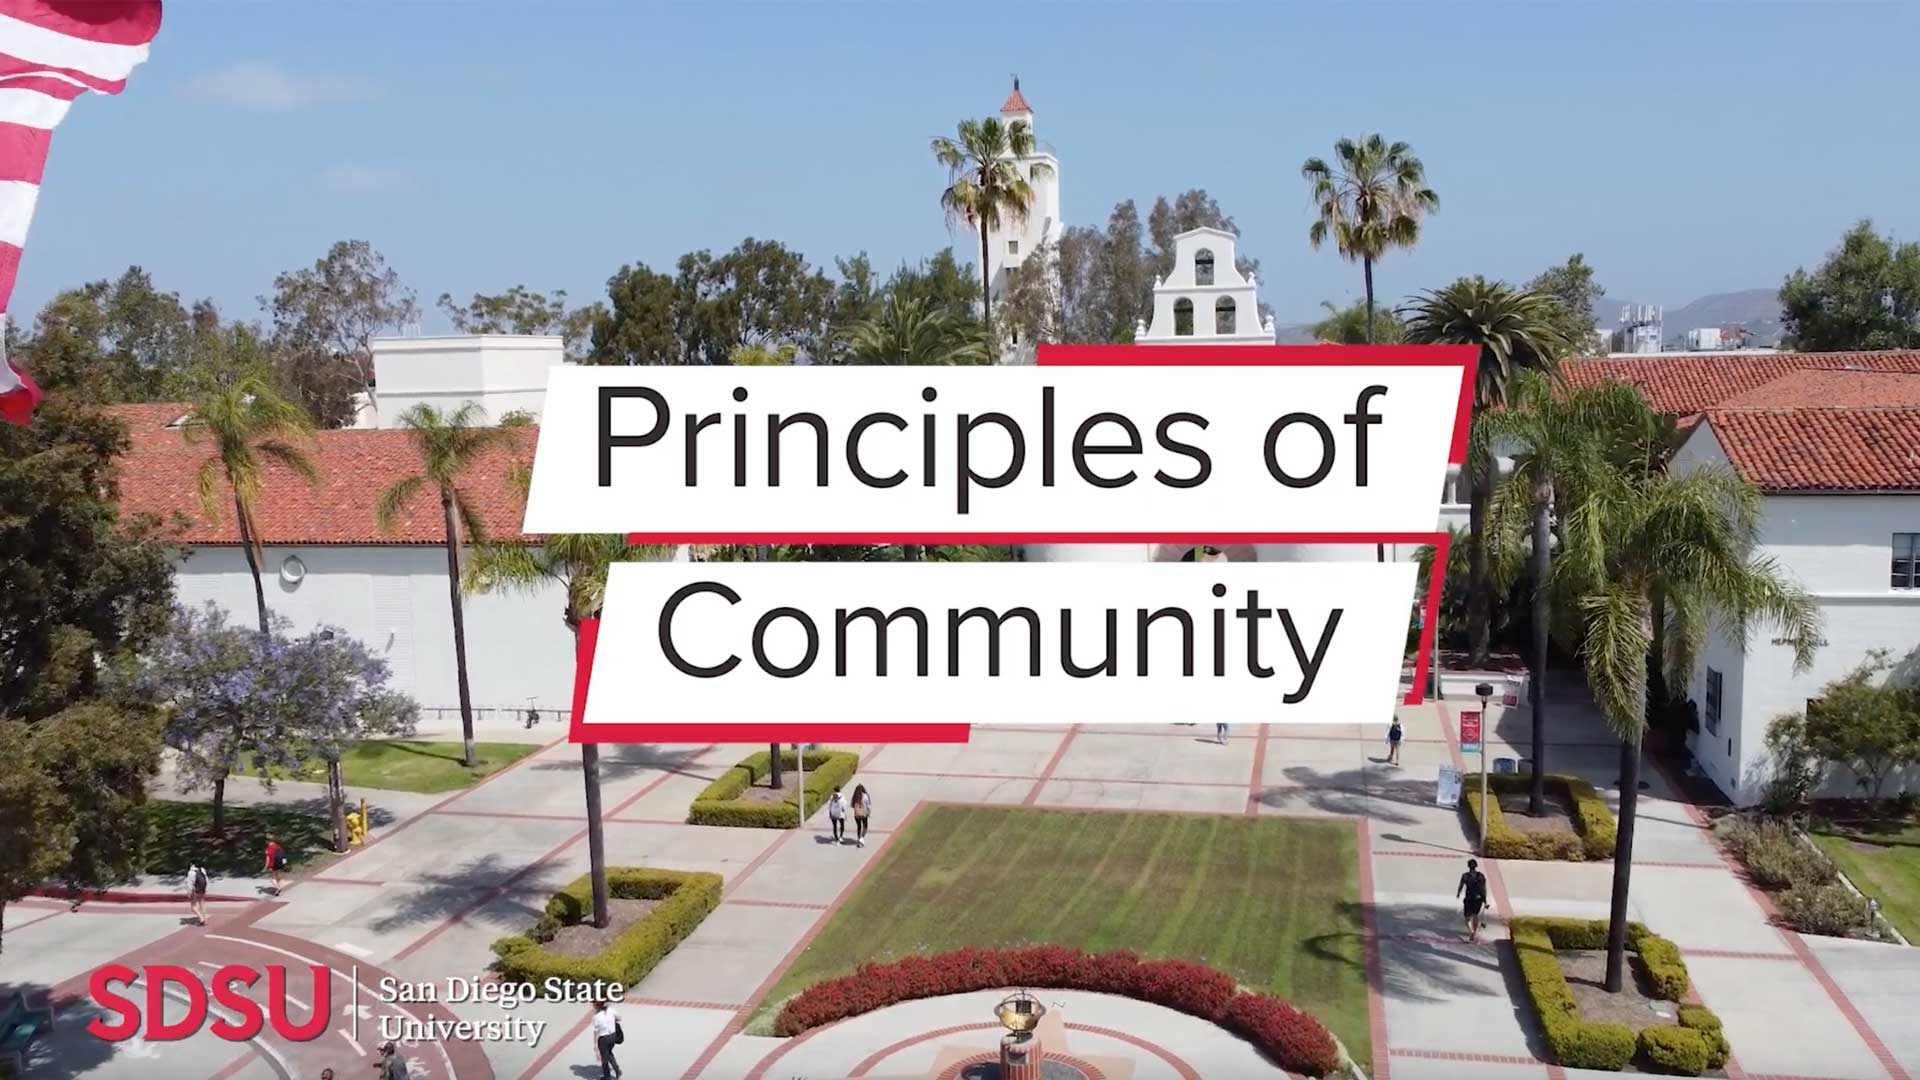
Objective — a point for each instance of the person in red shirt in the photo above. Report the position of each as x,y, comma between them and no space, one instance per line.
276,861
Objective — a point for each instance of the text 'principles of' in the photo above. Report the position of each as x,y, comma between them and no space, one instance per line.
988,450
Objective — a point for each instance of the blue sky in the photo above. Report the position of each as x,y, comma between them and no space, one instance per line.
1686,148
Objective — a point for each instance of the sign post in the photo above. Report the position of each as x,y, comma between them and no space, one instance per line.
800,759
1484,691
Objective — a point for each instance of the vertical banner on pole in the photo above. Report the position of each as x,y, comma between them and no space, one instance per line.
1469,732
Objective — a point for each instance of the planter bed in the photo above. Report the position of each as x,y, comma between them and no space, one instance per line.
1694,1045
1290,1038
740,796
655,911
1589,834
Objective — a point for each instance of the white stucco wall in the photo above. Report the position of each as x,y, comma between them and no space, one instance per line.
1228,284
1839,548
1042,224
499,372
394,599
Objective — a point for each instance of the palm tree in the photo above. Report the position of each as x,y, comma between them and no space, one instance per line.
1516,330
449,443
247,420
1355,325
578,563
1560,437
1369,202
1630,536
911,330
984,185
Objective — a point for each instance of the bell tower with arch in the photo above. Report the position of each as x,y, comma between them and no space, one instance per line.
1205,300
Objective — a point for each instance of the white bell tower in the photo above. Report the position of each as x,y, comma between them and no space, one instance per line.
1011,241
1205,300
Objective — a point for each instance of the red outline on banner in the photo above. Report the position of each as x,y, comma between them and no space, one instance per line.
1465,357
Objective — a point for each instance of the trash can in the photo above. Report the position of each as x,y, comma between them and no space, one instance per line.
1504,765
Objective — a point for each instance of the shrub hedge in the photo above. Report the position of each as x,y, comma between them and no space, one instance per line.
686,897
1775,857
720,802
1694,1046
1292,1039
1593,824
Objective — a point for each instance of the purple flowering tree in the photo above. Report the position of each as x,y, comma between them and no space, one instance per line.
238,699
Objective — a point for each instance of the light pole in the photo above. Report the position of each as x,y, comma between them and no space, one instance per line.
1485,692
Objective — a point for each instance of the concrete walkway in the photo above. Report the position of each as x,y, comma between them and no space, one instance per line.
455,872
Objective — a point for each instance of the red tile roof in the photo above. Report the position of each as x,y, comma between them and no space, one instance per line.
1016,102
1822,449
1826,388
157,477
1686,383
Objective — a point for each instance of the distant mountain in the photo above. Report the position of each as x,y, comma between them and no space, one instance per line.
1756,309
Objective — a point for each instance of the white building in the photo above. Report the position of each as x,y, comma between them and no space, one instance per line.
1013,239
326,561
1833,442
501,373
1205,300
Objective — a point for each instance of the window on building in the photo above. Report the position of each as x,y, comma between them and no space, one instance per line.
1183,317
1203,267
1713,702
1223,312
1906,560
1013,247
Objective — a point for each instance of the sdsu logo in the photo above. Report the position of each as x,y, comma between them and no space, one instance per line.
226,991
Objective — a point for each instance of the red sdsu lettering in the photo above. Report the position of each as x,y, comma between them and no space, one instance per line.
187,988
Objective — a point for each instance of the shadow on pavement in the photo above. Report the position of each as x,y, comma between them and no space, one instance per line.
67,1050
442,896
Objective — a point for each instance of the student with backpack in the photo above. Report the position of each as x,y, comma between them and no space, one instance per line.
862,810
1393,742
276,861
1473,891
197,892
607,1034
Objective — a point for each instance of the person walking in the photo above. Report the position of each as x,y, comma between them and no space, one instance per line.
607,1034
862,810
1473,891
276,861
1393,742
391,1065
1220,734
837,816
197,892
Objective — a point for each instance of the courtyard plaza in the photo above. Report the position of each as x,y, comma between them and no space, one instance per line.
447,875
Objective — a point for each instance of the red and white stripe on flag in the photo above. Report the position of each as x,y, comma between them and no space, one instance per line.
51,51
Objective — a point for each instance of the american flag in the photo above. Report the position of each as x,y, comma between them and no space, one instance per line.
51,51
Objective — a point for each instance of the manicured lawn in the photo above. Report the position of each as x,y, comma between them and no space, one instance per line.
1883,859
415,765
182,834
1274,901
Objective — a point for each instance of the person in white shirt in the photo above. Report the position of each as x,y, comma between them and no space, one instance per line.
837,816
862,810
607,1035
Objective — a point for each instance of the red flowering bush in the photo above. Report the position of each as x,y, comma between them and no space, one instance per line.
1285,1034
1293,1039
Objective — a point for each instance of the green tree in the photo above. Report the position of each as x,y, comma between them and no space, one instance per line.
1631,535
1866,723
1866,295
449,444
325,318
77,584
36,829
909,331
101,757
247,423
941,282
1573,290
1368,202
1558,437
1515,330
521,311
109,341
984,185
636,325
1348,326
579,564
